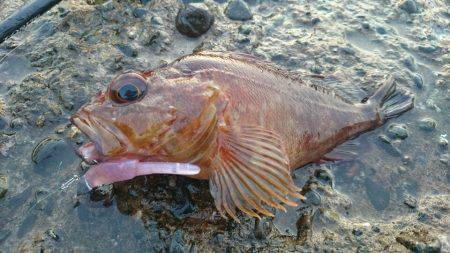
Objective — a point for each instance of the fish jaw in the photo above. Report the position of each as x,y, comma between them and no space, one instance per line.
117,171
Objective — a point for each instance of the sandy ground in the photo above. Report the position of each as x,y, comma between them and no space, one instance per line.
394,197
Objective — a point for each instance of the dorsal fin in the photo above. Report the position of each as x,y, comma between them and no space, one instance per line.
250,170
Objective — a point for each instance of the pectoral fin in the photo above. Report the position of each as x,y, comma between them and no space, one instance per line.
250,170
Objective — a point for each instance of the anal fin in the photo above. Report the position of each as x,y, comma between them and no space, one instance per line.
250,171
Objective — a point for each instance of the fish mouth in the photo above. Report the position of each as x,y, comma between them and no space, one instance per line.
107,169
106,139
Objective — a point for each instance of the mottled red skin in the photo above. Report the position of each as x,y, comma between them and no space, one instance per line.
190,100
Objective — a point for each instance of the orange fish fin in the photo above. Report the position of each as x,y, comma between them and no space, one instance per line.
251,170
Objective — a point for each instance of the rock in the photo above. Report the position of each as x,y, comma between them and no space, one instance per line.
50,154
262,228
357,232
443,142
155,20
428,49
4,185
365,25
444,158
427,124
410,63
316,69
313,198
127,50
324,176
418,80
381,30
419,241
398,131
139,12
409,6
194,20
52,234
238,10
410,201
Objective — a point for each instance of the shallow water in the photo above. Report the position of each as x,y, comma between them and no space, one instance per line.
395,192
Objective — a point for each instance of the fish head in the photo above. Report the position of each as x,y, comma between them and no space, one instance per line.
149,115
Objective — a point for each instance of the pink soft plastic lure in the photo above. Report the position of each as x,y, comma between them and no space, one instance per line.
126,169
111,172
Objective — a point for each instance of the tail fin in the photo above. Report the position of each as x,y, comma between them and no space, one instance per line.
391,102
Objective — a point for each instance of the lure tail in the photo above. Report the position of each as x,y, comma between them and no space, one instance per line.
391,102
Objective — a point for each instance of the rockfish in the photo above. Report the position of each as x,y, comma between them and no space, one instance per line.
230,118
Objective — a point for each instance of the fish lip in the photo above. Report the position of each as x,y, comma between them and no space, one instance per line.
85,120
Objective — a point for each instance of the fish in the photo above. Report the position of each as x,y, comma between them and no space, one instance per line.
238,121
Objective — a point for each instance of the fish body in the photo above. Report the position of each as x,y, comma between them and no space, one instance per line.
244,122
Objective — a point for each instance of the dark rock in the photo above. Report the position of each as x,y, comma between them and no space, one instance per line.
378,196
4,185
324,176
409,6
316,69
315,21
50,154
238,10
104,192
194,20
357,232
139,12
376,229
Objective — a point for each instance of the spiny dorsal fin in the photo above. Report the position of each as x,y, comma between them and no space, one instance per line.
250,170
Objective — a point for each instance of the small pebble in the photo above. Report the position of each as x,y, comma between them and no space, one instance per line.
4,185
427,124
52,234
262,228
418,80
365,25
398,131
409,6
238,10
381,30
156,20
384,139
127,50
315,21
357,232
426,49
443,142
410,201
139,12
313,198
194,20
444,159
316,69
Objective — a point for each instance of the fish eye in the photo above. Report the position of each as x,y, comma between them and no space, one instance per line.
128,88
